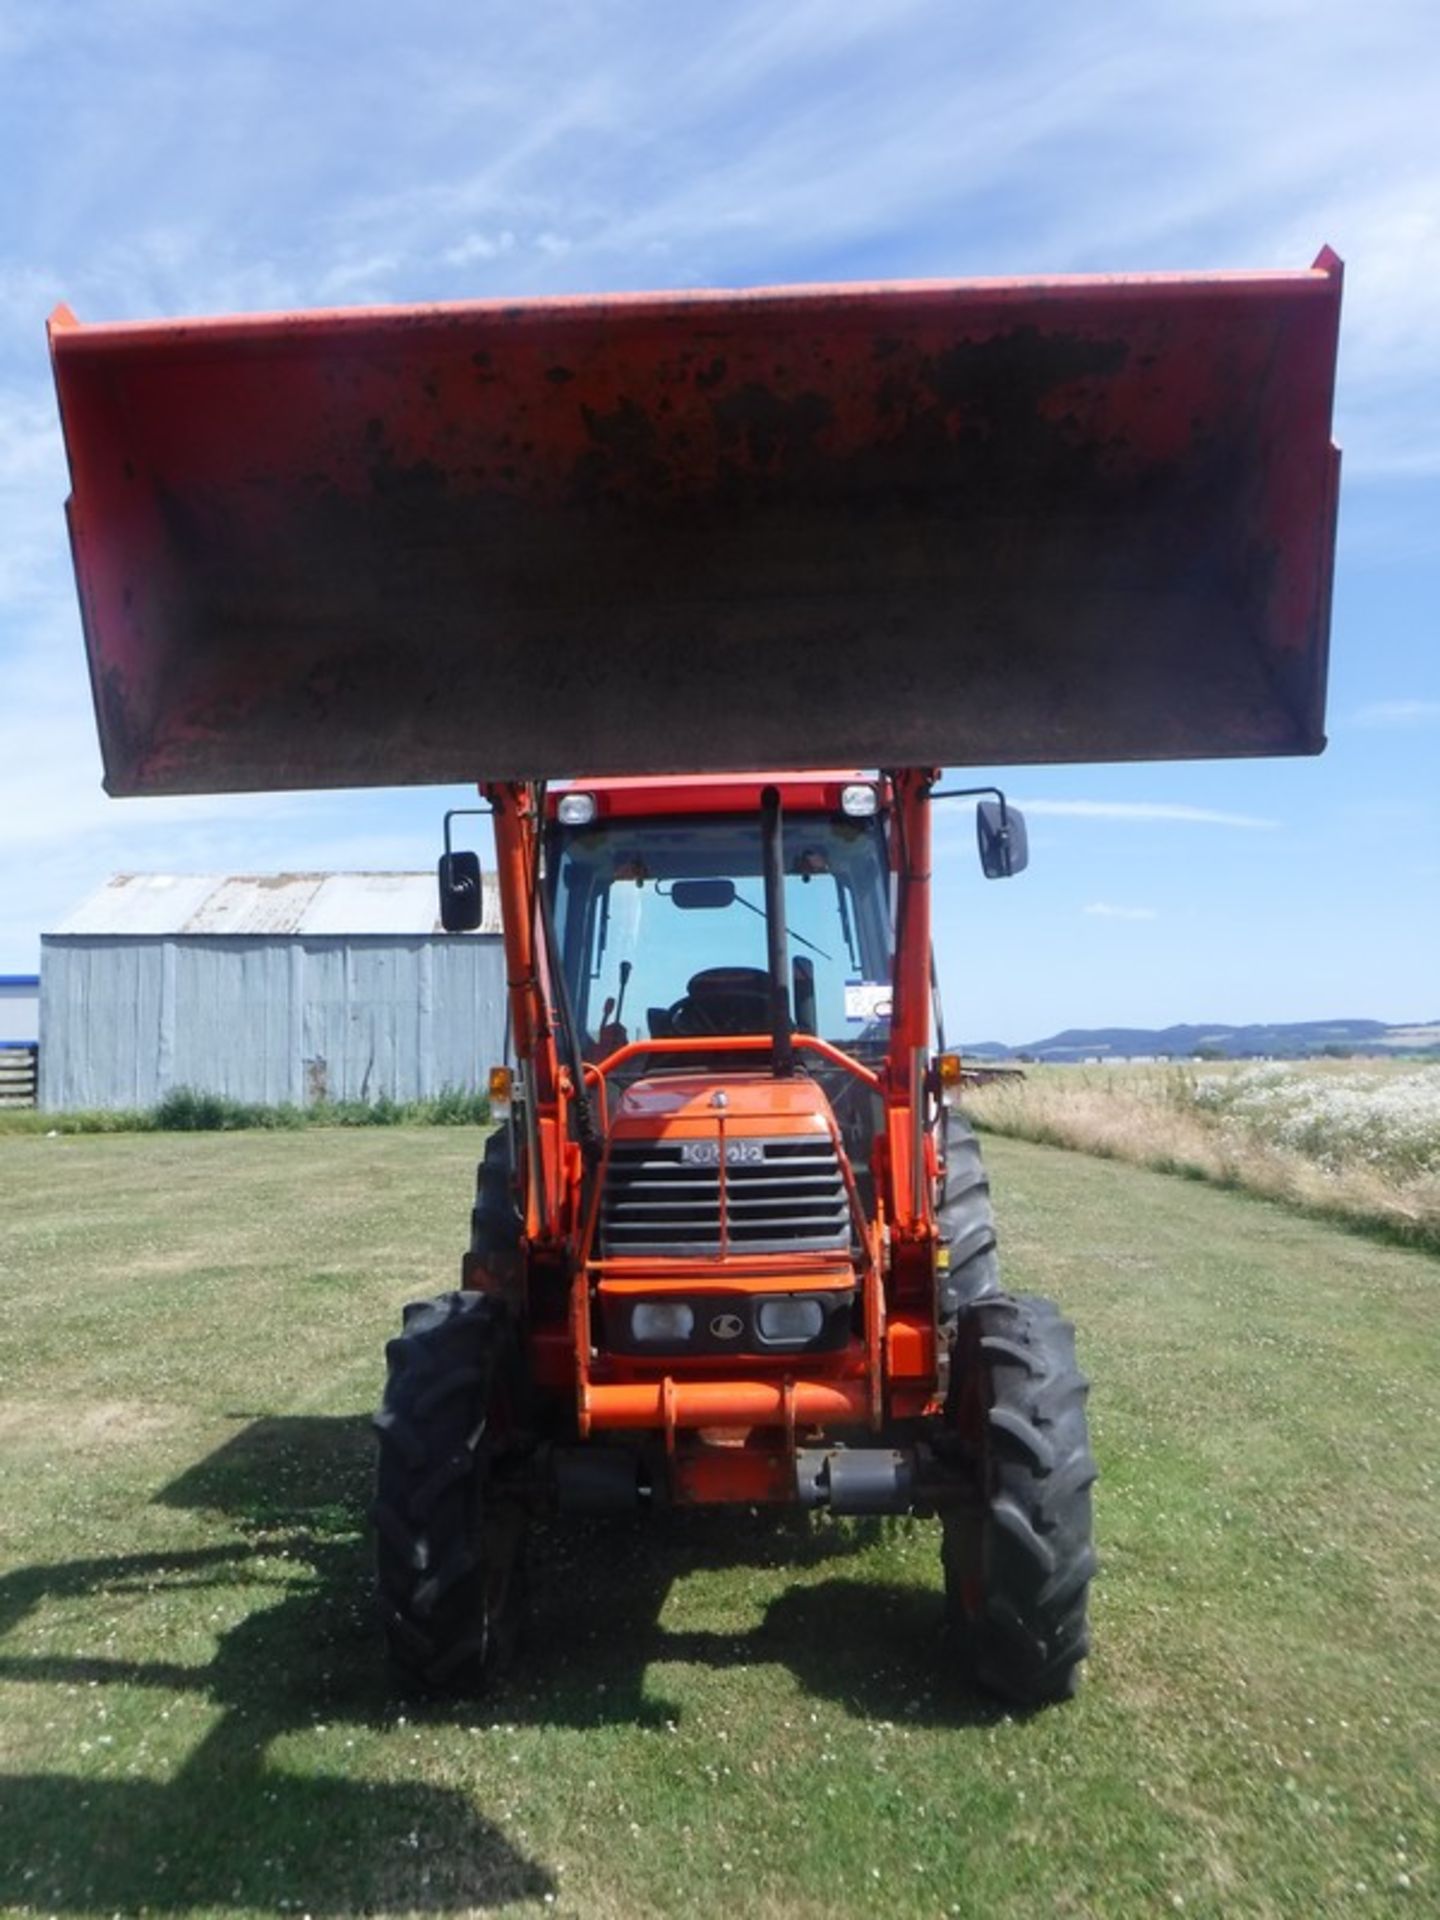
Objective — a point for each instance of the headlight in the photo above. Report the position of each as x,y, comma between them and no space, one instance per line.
575,809
662,1320
789,1322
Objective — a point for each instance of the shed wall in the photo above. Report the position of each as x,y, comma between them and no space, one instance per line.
125,1020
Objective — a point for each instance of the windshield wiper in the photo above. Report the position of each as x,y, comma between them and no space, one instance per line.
741,901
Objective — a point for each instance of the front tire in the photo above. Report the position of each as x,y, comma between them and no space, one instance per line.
1018,1564
449,1539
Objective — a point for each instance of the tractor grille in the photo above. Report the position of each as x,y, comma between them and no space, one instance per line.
791,1199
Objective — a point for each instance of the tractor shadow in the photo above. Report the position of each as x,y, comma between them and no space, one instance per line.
601,1590
229,1828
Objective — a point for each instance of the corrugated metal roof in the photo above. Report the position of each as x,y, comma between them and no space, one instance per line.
274,904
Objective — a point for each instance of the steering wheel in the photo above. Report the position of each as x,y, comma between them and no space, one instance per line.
687,1020
722,1000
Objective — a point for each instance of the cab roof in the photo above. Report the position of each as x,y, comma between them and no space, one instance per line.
627,795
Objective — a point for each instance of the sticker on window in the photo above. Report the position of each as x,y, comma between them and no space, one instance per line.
867,1000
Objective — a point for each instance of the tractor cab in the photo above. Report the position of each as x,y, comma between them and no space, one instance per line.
661,916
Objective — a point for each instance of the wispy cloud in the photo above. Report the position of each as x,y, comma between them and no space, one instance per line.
742,144
366,277
1102,910
1145,810
479,246
1399,713
32,485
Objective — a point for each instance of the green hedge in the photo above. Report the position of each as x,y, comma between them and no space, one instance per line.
187,1111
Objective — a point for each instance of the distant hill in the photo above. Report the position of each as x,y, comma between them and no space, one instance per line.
1298,1040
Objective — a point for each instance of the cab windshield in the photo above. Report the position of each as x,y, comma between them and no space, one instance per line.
661,927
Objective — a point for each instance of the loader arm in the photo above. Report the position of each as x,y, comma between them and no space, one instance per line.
922,524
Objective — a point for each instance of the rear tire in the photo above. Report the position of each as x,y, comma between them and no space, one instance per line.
1018,1565
971,1269
495,1219
449,1540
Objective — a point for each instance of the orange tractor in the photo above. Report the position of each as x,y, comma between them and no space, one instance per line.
732,1240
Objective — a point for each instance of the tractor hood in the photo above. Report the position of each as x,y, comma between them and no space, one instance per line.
921,524
687,1101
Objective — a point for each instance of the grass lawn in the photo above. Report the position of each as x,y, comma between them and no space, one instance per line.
721,1713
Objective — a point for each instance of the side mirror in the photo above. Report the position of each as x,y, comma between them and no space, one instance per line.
461,893
1004,845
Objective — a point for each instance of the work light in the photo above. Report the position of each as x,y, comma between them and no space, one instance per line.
575,809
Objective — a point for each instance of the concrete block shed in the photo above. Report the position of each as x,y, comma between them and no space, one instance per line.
266,987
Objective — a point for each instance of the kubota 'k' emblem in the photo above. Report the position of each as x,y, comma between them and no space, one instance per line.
727,1326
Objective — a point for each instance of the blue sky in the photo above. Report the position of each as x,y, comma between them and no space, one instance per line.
161,158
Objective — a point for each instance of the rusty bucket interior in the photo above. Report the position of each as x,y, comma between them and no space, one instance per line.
970,523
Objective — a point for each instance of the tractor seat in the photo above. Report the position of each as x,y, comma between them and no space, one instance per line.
714,982
717,1000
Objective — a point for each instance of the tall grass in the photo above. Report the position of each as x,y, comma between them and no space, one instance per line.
1353,1142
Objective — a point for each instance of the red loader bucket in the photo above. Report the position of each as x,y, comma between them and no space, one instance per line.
983,522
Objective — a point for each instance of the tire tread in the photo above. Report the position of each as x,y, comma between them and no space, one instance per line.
1026,1636
430,1505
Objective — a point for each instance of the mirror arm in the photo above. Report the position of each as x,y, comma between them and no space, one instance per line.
456,813
970,793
